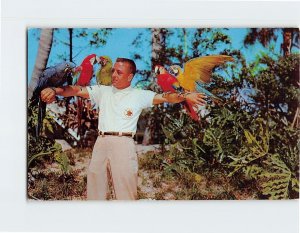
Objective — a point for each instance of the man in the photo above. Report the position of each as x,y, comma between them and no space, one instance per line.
114,155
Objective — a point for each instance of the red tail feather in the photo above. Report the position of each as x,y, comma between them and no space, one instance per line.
79,114
192,113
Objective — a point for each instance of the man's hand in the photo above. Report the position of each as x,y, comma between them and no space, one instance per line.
196,98
193,98
48,95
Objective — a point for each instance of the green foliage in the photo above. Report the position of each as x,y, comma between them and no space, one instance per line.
42,146
251,138
276,178
263,35
63,161
99,37
94,38
183,137
253,149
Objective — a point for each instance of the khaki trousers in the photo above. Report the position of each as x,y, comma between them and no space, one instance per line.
114,158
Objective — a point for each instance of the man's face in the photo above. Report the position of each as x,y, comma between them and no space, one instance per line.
121,75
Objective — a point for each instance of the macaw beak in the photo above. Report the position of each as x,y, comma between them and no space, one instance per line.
73,70
93,60
68,69
156,70
98,60
102,61
173,71
159,70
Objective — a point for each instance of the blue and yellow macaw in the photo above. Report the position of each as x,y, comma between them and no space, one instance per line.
197,72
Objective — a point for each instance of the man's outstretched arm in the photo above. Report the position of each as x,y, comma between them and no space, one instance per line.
195,98
48,94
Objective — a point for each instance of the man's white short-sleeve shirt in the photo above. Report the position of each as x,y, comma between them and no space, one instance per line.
119,110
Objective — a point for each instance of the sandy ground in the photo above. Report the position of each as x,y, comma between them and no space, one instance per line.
151,183
145,179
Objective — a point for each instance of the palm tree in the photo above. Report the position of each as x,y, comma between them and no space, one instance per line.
42,58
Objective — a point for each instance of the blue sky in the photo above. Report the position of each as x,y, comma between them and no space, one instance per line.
119,44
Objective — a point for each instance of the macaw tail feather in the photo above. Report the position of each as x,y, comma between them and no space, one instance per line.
41,116
201,89
190,111
79,115
34,100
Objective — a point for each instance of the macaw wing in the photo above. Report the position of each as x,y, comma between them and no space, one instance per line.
200,69
167,82
45,76
98,75
201,89
89,59
76,75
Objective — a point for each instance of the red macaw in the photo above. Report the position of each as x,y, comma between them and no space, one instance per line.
169,83
166,81
85,71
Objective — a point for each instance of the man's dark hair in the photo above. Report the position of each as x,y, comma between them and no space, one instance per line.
131,63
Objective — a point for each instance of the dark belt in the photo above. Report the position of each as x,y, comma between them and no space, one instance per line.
120,134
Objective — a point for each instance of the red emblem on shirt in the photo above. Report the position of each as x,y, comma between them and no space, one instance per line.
128,113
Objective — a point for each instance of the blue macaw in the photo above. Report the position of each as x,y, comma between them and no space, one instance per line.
53,76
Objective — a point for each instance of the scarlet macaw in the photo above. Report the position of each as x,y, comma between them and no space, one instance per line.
169,83
53,76
85,71
104,73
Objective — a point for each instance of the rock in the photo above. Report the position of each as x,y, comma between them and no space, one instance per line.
141,149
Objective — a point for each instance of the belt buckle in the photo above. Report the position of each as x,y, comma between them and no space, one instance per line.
120,134
102,133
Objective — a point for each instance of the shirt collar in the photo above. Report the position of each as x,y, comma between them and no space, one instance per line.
125,90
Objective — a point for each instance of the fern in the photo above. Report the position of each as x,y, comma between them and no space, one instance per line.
273,175
214,138
62,159
42,146
48,123
174,127
275,182
255,149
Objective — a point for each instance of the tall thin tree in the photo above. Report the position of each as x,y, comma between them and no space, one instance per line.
42,58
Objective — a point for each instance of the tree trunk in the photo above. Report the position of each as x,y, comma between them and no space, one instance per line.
286,45
42,58
71,43
185,48
158,43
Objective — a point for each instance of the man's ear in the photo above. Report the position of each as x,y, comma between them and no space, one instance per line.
130,77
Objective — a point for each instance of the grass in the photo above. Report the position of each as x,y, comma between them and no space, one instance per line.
49,181
170,181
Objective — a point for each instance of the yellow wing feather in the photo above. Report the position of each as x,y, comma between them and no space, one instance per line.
200,69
